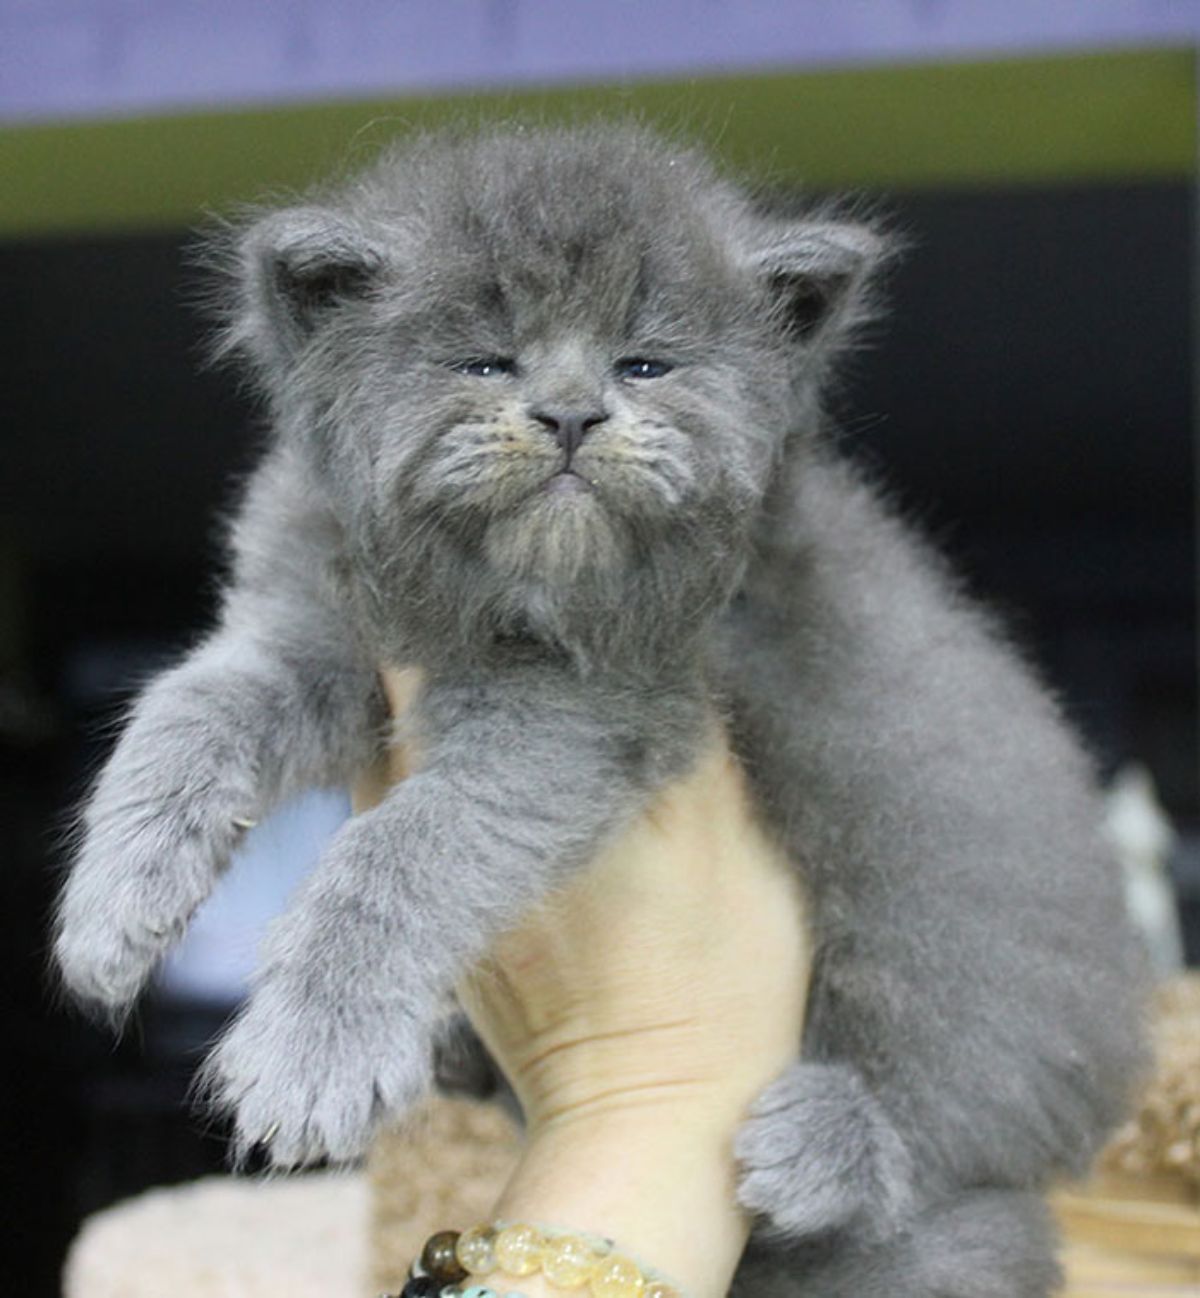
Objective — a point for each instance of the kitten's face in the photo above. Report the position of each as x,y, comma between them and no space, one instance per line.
575,436
565,454
549,362
561,402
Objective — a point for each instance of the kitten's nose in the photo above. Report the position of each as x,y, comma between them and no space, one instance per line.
569,427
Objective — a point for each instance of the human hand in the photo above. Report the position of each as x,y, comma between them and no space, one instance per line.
638,1013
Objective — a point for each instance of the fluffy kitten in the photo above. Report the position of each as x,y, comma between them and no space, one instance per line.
546,422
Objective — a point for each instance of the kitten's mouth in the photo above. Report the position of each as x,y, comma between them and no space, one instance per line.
566,483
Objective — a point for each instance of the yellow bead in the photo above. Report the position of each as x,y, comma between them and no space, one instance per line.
567,1261
519,1249
660,1289
617,1277
476,1250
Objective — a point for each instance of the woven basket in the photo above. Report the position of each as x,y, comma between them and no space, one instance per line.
1130,1235
1134,1228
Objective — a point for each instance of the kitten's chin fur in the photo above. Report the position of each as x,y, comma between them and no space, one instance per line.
562,536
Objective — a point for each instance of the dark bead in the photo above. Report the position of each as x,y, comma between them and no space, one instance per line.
422,1286
439,1259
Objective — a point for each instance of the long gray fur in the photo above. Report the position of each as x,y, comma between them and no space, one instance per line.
972,1023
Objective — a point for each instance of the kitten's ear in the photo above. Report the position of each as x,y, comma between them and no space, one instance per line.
291,270
816,271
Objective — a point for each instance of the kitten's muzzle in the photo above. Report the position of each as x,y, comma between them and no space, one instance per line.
569,427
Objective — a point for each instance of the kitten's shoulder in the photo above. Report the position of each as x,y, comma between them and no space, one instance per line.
284,539
826,509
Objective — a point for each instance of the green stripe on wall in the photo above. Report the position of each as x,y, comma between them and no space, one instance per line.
1096,116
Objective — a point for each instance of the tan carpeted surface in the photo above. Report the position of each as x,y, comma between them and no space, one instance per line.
443,1172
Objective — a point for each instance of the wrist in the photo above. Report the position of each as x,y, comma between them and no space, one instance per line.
659,1181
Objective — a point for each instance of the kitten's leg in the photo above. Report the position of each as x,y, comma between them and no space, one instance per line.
981,1244
244,721
524,776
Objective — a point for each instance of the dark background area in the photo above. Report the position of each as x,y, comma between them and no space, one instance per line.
1029,397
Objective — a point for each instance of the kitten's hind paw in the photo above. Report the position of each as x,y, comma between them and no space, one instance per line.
817,1152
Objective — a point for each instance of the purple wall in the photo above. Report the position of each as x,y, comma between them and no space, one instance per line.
87,57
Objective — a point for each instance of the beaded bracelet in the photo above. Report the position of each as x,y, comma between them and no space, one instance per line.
438,1290
568,1260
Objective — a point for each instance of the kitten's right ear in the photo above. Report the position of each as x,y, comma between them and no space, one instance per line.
291,270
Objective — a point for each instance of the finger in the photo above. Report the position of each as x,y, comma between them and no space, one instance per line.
400,687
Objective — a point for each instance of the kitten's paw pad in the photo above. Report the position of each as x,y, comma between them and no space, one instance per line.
305,1085
816,1151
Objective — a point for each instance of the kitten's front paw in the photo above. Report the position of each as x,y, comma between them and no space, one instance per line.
105,951
138,880
129,897
817,1151
306,1078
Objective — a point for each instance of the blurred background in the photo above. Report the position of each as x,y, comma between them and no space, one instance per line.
1030,395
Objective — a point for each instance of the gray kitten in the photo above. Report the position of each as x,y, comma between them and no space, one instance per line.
547,423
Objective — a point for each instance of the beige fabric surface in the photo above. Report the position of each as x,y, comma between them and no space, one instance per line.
224,1237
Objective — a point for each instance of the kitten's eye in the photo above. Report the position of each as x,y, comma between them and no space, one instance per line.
640,367
487,367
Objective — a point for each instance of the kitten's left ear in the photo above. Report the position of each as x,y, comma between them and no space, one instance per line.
816,271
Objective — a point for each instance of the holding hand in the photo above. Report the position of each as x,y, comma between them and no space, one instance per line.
637,1014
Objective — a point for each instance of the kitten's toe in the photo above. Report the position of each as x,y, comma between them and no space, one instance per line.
817,1152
